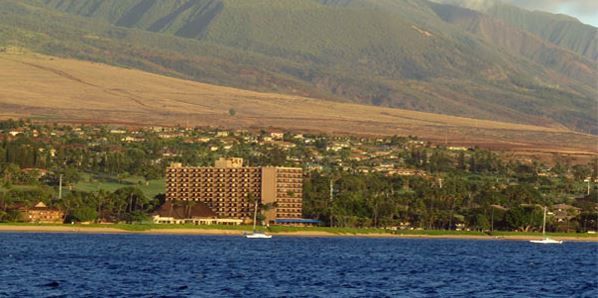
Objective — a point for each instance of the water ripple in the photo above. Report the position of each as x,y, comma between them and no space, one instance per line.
71,265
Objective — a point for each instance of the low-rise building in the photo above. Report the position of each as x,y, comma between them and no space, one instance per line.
405,172
222,134
40,213
277,135
283,144
189,212
564,212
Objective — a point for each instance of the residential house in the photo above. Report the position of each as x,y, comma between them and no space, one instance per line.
564,212
276,135
283,145
16,132
457,148
222,134
40,213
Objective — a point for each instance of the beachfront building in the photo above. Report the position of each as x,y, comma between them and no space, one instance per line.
40,213
189,212
229,189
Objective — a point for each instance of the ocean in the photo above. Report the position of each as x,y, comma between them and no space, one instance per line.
86,265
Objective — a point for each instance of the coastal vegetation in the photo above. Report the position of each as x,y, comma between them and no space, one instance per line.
115,175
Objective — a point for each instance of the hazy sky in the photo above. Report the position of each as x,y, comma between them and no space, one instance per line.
585,10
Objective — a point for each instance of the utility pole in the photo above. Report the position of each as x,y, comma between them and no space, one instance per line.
544,223
60,187
331,199
331,196
492,221
331,189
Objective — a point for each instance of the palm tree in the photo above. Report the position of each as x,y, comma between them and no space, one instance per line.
188,204
173,205
260,207
102,198
6,200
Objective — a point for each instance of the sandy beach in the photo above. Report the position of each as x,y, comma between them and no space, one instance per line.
214,232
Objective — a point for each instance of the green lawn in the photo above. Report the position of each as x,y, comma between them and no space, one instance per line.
550,234
89,183
151,226
353,231
439,233
138,227
496,233
20,187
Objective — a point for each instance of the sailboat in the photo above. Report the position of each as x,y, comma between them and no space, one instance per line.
546,240
256,234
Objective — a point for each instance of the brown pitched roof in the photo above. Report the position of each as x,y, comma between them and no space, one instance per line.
40,206
178,210
564,207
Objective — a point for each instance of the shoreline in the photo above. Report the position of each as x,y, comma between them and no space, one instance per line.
223,232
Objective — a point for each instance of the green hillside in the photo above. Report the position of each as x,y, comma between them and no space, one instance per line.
409,54
564,31
520,43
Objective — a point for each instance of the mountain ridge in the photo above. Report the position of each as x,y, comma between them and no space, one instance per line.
389,53
562,30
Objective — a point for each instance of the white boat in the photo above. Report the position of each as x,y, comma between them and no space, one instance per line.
255,234
546,240
258,235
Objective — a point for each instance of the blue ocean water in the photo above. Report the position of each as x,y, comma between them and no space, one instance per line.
81,265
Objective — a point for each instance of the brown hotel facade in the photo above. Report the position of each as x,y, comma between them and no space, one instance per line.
227,189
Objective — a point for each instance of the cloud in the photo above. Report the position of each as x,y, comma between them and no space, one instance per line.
574,7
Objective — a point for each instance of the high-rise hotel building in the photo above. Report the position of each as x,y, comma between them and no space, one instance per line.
229,188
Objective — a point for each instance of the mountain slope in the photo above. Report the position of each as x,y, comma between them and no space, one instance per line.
93,92
388,53
522,43
564,31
